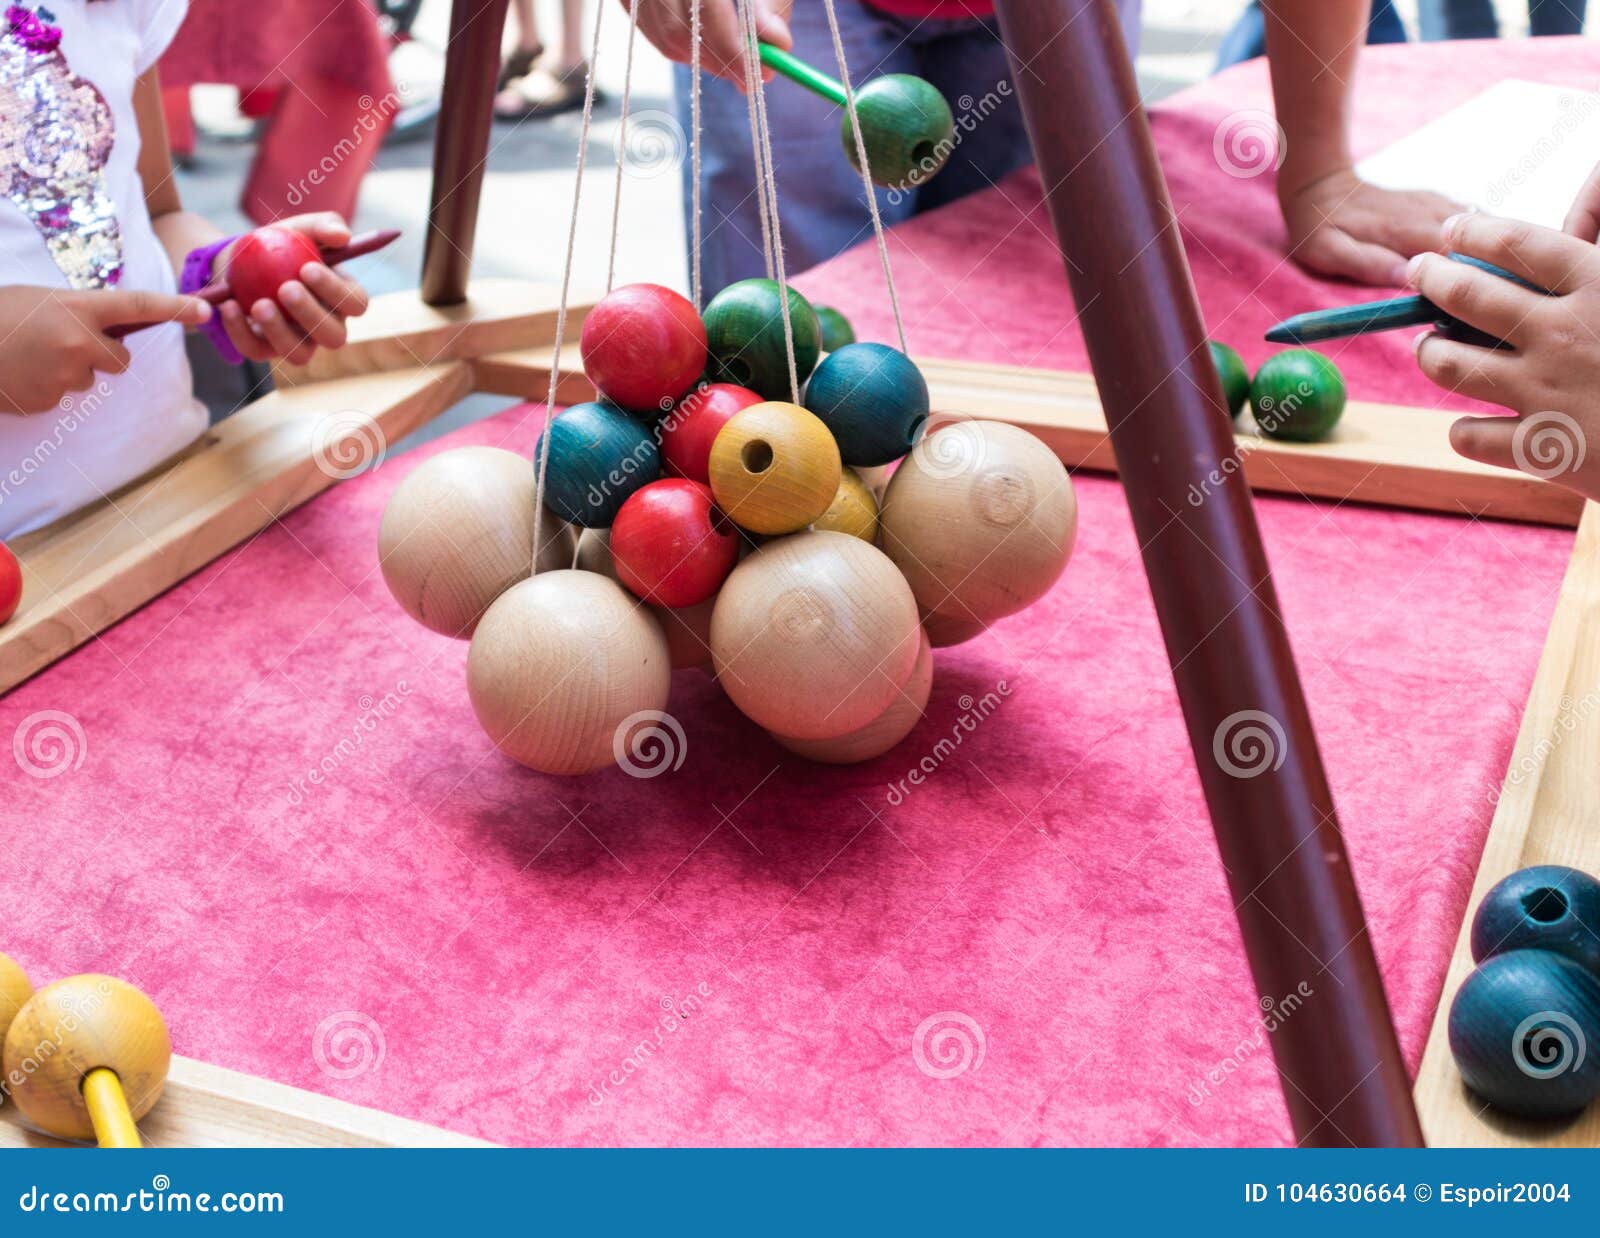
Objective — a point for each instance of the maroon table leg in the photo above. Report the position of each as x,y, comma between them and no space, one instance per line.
460,146
1337,1054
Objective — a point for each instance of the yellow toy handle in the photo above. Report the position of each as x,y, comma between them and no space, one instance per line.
108,1110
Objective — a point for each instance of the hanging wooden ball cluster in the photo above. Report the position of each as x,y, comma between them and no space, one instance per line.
84,1058
706,511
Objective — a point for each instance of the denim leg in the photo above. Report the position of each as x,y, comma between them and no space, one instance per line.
1458,19
1556,16
1385,26
1245,40
820,197
967,62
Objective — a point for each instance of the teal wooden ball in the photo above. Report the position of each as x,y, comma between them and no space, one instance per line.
907,129
874,399
836,328
745,330
598,457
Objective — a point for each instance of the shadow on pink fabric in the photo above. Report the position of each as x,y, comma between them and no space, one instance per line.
269,804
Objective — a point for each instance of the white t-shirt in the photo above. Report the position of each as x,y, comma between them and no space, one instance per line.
72,215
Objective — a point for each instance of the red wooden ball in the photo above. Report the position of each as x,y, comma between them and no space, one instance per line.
671,546
689,430
643,346
10,583
265,260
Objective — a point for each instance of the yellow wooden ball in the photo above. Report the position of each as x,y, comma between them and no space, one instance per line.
688,630
814,634
774,468
458,532
884,731
981,518
854,510
76,1025
559,663
15,990
947,630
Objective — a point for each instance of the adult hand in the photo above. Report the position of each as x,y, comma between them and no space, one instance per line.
1339,225
667,24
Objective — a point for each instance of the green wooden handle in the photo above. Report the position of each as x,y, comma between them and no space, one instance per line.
797,70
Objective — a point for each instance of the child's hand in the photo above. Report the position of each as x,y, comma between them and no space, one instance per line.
667,24
53,341
1550,377
1583,219
309,313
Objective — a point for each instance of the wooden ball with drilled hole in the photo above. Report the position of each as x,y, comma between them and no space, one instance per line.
687,629
76,1025
884,731
748,343
854,510
981,518
774,468
906,126
458,532
15,990
813,635
557,665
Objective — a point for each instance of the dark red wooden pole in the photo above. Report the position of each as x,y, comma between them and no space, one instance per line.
460,147
1337,1054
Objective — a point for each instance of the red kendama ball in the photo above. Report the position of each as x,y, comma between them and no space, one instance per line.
671,546
10,583
689,430
643,346
265,260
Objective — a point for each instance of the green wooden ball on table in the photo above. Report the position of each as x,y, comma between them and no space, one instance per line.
598,457
745,335
1235,378
836,328
873,398
1297,396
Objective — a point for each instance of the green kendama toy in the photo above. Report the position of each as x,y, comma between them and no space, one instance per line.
906,124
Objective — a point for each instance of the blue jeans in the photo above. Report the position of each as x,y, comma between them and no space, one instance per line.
1248,37
1474,19
821,202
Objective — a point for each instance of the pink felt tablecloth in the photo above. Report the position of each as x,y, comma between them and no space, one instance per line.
277,814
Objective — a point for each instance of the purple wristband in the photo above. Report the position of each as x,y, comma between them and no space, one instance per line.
196,275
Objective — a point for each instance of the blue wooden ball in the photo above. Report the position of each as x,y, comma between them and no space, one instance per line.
873,398
598,457
1525,1033
1546,907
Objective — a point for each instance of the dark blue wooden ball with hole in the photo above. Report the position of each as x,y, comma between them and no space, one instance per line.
873,398
1546,907
598,457
1525,1033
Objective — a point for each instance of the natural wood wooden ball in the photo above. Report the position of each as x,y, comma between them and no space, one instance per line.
947,630
458,532
774,468
884,731
15,990
688,629
981,518
77,1025
558,663
814,634
854,510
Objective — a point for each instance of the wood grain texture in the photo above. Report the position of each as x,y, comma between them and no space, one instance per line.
883,732
84,573
1548,813
15,990
207,1106
400,332
906,126
774,468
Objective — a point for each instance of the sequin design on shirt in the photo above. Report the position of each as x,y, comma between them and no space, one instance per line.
56,134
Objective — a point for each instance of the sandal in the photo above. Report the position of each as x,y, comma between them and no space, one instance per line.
518,64
542,93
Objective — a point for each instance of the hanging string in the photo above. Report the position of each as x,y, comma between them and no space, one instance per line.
622,142
694,152
866,173
770,181
542,467
752,76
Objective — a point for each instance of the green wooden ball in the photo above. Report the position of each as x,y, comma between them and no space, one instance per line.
744,331
907,128
1235,378
836,328
1297,396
